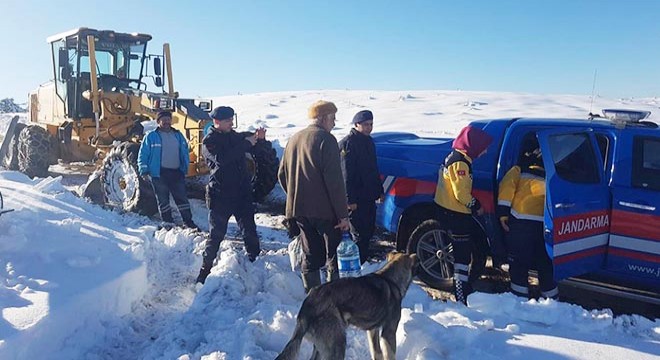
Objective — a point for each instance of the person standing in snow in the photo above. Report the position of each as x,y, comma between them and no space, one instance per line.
362,179
520,207
163,161
310,174
454,196
229,191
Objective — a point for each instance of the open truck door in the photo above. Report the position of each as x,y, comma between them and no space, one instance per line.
577,202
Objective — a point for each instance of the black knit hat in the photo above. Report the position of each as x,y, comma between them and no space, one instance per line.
164,113
363,115
222,113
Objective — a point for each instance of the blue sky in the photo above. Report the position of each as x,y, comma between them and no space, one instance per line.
227,47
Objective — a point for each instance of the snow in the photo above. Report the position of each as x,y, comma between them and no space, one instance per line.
81,281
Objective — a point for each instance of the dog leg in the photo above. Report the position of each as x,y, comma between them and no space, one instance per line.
388,340
374,346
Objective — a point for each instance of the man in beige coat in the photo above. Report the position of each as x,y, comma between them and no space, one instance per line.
310,174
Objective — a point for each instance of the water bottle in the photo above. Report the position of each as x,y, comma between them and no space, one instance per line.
348,257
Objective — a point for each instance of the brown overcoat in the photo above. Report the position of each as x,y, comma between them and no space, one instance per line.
310,174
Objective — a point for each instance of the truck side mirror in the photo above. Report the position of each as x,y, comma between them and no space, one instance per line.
158,81
158,68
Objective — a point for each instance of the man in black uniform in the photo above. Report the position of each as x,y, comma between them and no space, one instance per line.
363,185
229,191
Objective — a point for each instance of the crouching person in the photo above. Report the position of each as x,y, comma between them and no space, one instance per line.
520,203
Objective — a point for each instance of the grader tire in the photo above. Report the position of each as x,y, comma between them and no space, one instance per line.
34,151
267,164
10,161
122,186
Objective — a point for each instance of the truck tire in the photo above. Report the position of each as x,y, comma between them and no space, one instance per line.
10,161
34,151
265,170
122,185
433,246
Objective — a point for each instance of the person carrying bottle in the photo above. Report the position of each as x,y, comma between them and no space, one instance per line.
362,178
454,196
310,175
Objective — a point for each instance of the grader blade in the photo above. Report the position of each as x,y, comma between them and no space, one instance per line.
93,189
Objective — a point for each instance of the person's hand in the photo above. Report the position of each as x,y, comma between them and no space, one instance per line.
146,177
352,207
380,199
343,225
252,139
261,133
504,220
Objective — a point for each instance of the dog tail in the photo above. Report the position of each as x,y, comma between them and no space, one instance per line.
291,349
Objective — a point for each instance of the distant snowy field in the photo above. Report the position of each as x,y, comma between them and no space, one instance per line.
82,282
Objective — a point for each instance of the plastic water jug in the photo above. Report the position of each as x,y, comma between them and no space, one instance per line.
348,257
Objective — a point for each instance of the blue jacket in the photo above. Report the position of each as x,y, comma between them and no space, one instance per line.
150,153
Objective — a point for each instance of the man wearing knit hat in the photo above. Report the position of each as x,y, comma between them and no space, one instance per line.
229,191
310,174
362,178
163,160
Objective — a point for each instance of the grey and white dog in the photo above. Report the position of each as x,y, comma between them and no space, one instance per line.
371,302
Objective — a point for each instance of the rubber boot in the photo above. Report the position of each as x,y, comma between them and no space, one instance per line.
310,280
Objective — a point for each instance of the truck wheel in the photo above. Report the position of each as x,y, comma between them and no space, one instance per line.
433,247
34,151
265,170
10,162
121,183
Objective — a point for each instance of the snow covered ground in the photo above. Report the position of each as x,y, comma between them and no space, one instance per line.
83,282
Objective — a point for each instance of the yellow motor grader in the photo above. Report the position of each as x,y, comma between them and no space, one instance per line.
93,110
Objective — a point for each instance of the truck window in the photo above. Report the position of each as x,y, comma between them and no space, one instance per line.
574,158
603,146
646,163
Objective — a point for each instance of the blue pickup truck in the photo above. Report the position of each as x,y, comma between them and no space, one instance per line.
602,212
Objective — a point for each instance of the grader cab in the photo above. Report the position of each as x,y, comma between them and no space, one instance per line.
93,110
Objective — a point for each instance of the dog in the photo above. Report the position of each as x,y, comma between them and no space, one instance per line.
371,302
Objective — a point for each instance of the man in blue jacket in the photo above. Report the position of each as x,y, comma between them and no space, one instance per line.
229,191
163,160
362,178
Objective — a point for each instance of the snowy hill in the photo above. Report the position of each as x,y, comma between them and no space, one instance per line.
80,281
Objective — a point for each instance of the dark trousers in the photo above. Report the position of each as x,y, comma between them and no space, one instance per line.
171,181
220,210
319,242
462,228
363,224
527,251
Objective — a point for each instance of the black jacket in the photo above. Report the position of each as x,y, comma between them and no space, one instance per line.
360,168
225,156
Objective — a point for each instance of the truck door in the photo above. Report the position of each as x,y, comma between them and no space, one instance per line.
577,212
635,234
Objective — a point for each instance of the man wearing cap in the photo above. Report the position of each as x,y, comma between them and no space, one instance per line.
363,185
163,160
310,174
229,191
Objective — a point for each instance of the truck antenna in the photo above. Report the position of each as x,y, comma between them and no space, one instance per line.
593,90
